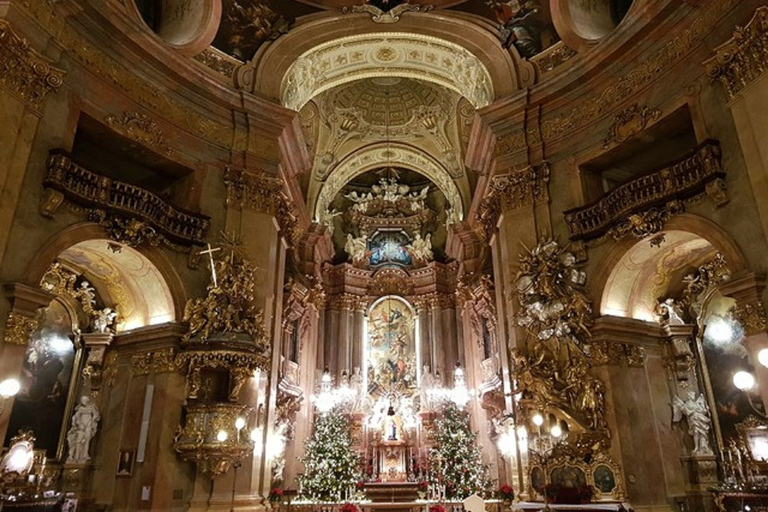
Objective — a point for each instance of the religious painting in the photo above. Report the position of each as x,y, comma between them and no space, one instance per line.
725,355
46,375
538,480
389,248
125,463
605,480
391,348
568,476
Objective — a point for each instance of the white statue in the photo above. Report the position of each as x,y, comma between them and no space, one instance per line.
697,413
86,293
425,389
85,421
326,219
356,383
103,319
421,248
361,201
669,312
355,247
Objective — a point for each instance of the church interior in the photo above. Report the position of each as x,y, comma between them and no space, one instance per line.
384,255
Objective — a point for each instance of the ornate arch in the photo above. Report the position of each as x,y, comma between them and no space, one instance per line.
381,54
629,277
147,273
469,38
374,156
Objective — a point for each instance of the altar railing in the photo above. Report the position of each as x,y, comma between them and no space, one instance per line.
91,190
697,172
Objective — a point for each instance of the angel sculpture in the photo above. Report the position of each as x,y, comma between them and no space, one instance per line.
355,248
421,248
103,319
326,219
696,412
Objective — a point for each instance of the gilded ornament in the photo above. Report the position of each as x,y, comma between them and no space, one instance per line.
141,364
135,86
131,214
199,439
228,311
752,317
511,191
699,284
553,57
641,225
140,128
25,72
18,328
632,207
262,193
553,369
611,353
629,122
218,61
743,59
391,16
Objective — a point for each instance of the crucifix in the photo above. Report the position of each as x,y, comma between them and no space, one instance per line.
210,252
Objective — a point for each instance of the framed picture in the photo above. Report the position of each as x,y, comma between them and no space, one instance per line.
125,463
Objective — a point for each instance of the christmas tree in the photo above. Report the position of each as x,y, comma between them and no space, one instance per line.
456,462
331,468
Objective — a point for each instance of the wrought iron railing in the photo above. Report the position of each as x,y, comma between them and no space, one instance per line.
683,179
91,190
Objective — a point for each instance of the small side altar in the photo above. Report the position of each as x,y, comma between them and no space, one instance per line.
586,507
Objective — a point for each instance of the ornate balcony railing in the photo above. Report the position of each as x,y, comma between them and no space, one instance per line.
651,198
114,202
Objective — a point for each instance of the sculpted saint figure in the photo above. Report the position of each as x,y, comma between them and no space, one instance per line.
85,421
695,410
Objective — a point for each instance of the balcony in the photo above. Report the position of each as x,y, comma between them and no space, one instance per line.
108,198
698,172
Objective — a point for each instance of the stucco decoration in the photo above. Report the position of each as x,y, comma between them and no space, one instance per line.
397,155
395,54
126,278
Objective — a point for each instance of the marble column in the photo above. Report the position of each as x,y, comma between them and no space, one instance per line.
357,338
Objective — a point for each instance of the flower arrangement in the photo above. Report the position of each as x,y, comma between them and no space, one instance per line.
436,508
349,507
506,492
423,486
275,495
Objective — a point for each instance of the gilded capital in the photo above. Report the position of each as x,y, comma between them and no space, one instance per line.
752,317
744,58
18,328
23,71
512,191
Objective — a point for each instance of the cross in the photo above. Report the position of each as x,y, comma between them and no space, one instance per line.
210,252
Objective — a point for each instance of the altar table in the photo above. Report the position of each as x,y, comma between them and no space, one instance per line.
587,507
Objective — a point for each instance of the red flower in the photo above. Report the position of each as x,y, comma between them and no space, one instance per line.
506,492
436,508
349,507
423,485
275,495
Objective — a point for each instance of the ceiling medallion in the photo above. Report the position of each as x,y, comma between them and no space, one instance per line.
387,15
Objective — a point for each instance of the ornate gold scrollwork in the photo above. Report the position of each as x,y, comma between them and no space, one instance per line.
633,207
141,128
23,71
130,214
744,58
629,122
553,371
752,317
262,193
18,328
512,191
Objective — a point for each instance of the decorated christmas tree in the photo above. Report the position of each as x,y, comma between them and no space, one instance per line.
331,467
456,461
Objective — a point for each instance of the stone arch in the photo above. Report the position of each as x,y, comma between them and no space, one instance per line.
151,290
470,41
634,273
376,155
